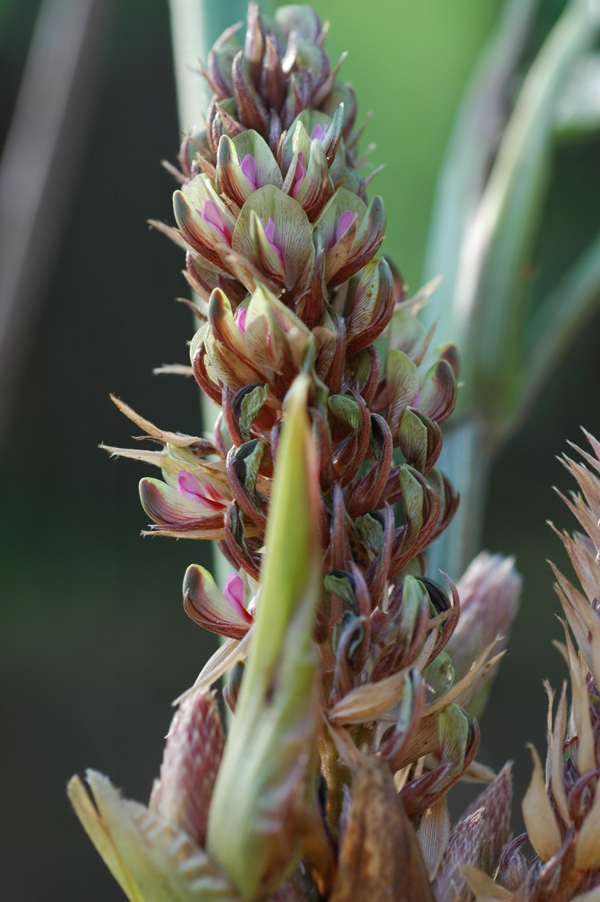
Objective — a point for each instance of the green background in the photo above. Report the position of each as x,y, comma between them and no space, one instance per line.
94,641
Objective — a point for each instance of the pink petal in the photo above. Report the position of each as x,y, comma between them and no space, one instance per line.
198,490
270,229
298,175
248,167
211,608
270,234
235,594
212,217
240,319
416,399
344,223
318,133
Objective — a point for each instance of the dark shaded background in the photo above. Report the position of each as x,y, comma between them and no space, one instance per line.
94,643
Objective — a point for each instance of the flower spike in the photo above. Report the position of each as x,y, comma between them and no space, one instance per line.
320,484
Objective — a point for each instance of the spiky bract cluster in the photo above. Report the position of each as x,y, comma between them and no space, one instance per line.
562,806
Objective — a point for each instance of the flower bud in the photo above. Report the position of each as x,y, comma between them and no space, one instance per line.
176,513
191,760
220,60
272,79
421,509
396,739
439,392
367,242
458,742
243,464
372,305
489,592
409,632
251,109
402,381
255,44
224,612
513,867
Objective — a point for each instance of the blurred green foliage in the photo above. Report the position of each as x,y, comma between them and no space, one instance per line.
408,63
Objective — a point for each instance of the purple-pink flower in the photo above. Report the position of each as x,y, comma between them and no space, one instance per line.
200,490
344,223
270,235
240,319
298,175
318,132
235,594
248,167
212,217
220,612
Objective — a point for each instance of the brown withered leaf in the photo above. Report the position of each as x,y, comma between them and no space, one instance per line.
370,701
380,859
538,814
433,834
479,773
484,888
174,438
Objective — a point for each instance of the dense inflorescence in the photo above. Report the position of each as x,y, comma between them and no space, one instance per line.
281,251
281,246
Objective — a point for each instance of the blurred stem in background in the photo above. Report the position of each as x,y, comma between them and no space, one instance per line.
195,26
488,211
39,166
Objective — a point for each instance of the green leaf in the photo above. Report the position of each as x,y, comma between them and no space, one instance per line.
467,161
267,767
371,528
413,499
509,213
414,596
347,410
340,583
559,318
577,111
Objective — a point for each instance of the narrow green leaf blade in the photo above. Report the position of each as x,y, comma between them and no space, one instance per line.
269,757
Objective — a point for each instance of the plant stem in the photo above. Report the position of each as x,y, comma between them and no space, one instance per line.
39,168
